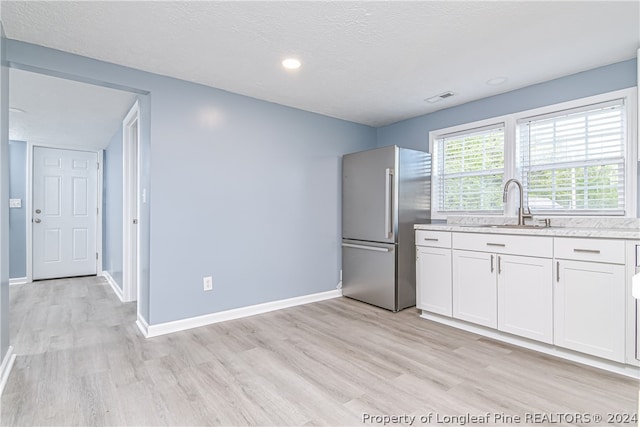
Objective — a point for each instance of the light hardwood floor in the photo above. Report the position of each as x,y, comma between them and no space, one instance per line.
81,361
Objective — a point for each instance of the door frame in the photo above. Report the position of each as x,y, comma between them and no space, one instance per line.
29,203
131,205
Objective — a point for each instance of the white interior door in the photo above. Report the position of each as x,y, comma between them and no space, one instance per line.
65,212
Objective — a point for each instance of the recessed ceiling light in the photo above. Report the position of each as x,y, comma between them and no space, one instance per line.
497,81
440,97
15,110
291,64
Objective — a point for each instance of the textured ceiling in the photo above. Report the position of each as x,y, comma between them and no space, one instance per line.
64,113
367,62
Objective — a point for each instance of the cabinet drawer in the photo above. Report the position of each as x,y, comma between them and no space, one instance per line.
437,239
599,250
505,244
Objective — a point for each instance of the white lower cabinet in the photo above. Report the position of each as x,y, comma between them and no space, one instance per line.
525,297
589,308
433,271
632,342
474,287
508,292
572,293
504,282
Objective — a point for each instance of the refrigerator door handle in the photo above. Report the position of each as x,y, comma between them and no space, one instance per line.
388,203
367,248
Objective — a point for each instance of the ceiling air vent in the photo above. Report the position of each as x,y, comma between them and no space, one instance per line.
440,97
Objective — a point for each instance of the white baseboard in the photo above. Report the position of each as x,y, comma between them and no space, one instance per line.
18,281
237,313
5,368
143,326
585,359
114,285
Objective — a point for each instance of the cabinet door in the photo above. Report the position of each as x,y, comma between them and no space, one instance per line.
589,308
474,287
525,297
633,315
433,278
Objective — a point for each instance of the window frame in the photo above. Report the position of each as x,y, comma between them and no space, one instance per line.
557,164
453,132
510,123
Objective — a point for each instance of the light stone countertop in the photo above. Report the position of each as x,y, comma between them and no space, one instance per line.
602,233
603,228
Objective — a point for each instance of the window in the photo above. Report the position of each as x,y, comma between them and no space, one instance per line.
471,170
574,158
573,161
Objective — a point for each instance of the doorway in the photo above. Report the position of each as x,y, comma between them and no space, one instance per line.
67,112
131,203
61,113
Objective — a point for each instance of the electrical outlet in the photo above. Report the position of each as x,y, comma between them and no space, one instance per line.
207,283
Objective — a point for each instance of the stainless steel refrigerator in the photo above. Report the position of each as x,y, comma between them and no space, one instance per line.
385,191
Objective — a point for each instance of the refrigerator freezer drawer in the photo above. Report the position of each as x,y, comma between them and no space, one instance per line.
369,273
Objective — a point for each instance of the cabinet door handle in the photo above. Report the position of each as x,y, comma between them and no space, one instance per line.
499,264
557,271
430,239
492,263
587,251
502,245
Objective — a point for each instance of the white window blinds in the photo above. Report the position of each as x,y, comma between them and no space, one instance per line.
573,161
470,170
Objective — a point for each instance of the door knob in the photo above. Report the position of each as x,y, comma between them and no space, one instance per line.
38,211
37,221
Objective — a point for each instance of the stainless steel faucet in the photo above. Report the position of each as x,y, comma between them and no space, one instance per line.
505,194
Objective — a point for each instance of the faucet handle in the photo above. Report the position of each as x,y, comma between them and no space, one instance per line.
524,213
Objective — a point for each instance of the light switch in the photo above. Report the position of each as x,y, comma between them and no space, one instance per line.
15,203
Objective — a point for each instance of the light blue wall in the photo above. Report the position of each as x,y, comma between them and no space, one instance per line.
250,196
414,133
4,198
253,200
112,209
18,216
